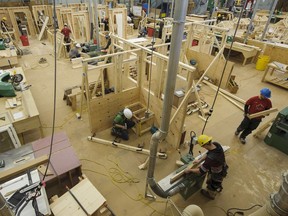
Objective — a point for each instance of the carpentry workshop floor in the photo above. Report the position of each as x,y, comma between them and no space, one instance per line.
255,168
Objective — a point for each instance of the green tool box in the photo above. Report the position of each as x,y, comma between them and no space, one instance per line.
2,44
278,133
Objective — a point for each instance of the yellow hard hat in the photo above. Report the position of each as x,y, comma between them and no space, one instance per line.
4,18
204,139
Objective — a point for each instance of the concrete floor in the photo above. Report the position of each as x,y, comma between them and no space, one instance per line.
255,168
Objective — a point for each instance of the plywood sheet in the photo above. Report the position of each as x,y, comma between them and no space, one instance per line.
104,109
89,197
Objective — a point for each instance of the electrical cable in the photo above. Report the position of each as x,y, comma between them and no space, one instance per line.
53,118
239,210
222,75
151,61
116,181
55,84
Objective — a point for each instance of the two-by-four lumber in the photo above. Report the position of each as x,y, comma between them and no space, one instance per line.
225,92
263,113
191,165
263,127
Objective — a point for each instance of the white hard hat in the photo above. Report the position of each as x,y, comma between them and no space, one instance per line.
127,113
78,45
65,24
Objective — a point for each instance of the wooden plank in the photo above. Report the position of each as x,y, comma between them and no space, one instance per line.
225,92
126,147
263,127
43,28
182,172
89,197
198,100
263,113
11,173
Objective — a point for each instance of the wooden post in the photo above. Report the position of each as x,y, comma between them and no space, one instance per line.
126,147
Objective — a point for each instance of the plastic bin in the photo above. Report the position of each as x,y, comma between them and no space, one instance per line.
262,62
24,40
150,32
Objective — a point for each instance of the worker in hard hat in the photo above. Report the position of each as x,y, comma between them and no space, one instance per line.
121,123
66,32
108,38
253,105
4,25
214,164
75,52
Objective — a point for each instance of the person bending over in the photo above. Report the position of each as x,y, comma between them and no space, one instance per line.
121,123
214,164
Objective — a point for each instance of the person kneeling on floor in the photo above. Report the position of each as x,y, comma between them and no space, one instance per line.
75,52
214,164
121,123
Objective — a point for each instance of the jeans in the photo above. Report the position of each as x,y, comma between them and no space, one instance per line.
247,126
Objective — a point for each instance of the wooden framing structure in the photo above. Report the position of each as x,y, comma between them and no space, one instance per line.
276,75
118,21
30,24
78,6
46,10
101,114
81,27
128,90
9,12
59,42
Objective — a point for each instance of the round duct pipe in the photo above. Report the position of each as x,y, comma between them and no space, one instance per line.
192,210
278,204
279,201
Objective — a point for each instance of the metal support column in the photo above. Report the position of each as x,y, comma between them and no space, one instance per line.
269,19
250,26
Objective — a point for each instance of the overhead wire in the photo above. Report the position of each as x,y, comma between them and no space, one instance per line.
33,198
222,74
54,91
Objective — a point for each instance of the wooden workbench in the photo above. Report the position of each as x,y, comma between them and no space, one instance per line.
64,161
25,116
246,50
9,54
276,75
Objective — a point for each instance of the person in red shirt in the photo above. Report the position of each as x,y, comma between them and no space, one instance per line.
66,32
253,105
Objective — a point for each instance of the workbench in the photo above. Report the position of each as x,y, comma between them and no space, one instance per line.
246,50
276,75
9,54
64,163
16,157
25,116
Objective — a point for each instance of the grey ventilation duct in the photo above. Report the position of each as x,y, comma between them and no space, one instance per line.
176,42
278,203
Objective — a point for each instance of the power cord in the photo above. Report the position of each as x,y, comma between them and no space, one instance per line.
240,211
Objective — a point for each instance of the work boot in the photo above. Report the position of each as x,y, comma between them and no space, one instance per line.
242,140
207,194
